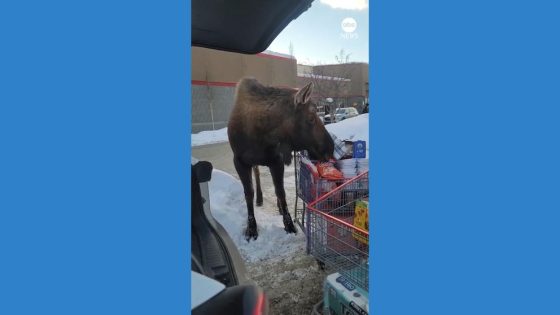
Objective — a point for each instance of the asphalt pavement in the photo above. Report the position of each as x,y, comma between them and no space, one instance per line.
221,157
219,154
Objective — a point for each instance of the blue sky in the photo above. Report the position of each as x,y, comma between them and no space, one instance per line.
317,35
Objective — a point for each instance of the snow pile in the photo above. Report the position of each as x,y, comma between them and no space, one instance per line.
209,137
228,207
355,128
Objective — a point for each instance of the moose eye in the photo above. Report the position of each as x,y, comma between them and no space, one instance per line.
311,119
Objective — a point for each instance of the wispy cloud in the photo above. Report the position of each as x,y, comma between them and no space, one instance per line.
347,4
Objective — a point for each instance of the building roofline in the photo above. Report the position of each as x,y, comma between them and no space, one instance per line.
336,64
321,77
277,55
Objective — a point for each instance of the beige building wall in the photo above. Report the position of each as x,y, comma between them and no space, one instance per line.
357,72
218,66
215,74
354,93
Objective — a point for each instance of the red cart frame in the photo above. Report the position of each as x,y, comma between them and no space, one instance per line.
332,237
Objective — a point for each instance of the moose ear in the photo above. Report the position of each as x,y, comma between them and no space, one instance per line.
304,94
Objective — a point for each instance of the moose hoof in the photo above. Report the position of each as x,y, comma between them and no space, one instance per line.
251,231
259,202
289,226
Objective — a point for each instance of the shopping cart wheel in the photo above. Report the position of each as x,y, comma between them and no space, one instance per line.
321,265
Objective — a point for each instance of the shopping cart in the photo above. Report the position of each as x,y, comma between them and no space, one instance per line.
309,187
333,237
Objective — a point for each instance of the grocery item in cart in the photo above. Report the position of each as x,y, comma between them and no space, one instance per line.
340,148
359,149
361,220
341,296
328,171
310,185
326,186
310,166
347,167
349,148
363,165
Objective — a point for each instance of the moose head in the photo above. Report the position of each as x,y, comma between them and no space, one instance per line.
311,134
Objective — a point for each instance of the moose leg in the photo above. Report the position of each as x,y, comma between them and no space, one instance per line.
244,172
277,172
258,183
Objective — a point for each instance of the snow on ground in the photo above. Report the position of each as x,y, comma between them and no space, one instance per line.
276,261
228,207
355,128
209,137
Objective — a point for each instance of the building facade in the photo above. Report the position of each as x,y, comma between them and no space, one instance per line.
337,85
215,74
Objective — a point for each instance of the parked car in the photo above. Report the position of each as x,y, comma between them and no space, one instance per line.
340,114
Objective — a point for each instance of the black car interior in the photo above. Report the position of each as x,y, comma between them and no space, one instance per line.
247,26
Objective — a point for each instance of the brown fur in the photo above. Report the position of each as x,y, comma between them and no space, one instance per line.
265,122
265,126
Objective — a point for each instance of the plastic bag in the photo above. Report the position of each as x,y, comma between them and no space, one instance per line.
328,171
310,166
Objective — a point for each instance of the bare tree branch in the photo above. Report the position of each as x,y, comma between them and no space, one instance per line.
331,81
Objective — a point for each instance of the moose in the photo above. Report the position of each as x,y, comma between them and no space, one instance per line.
266,124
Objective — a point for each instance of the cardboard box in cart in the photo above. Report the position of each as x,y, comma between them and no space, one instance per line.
361,220
342,297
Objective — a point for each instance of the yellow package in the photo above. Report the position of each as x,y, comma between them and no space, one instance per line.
361,220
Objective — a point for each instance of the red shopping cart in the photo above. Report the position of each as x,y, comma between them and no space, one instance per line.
336,235
309,186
